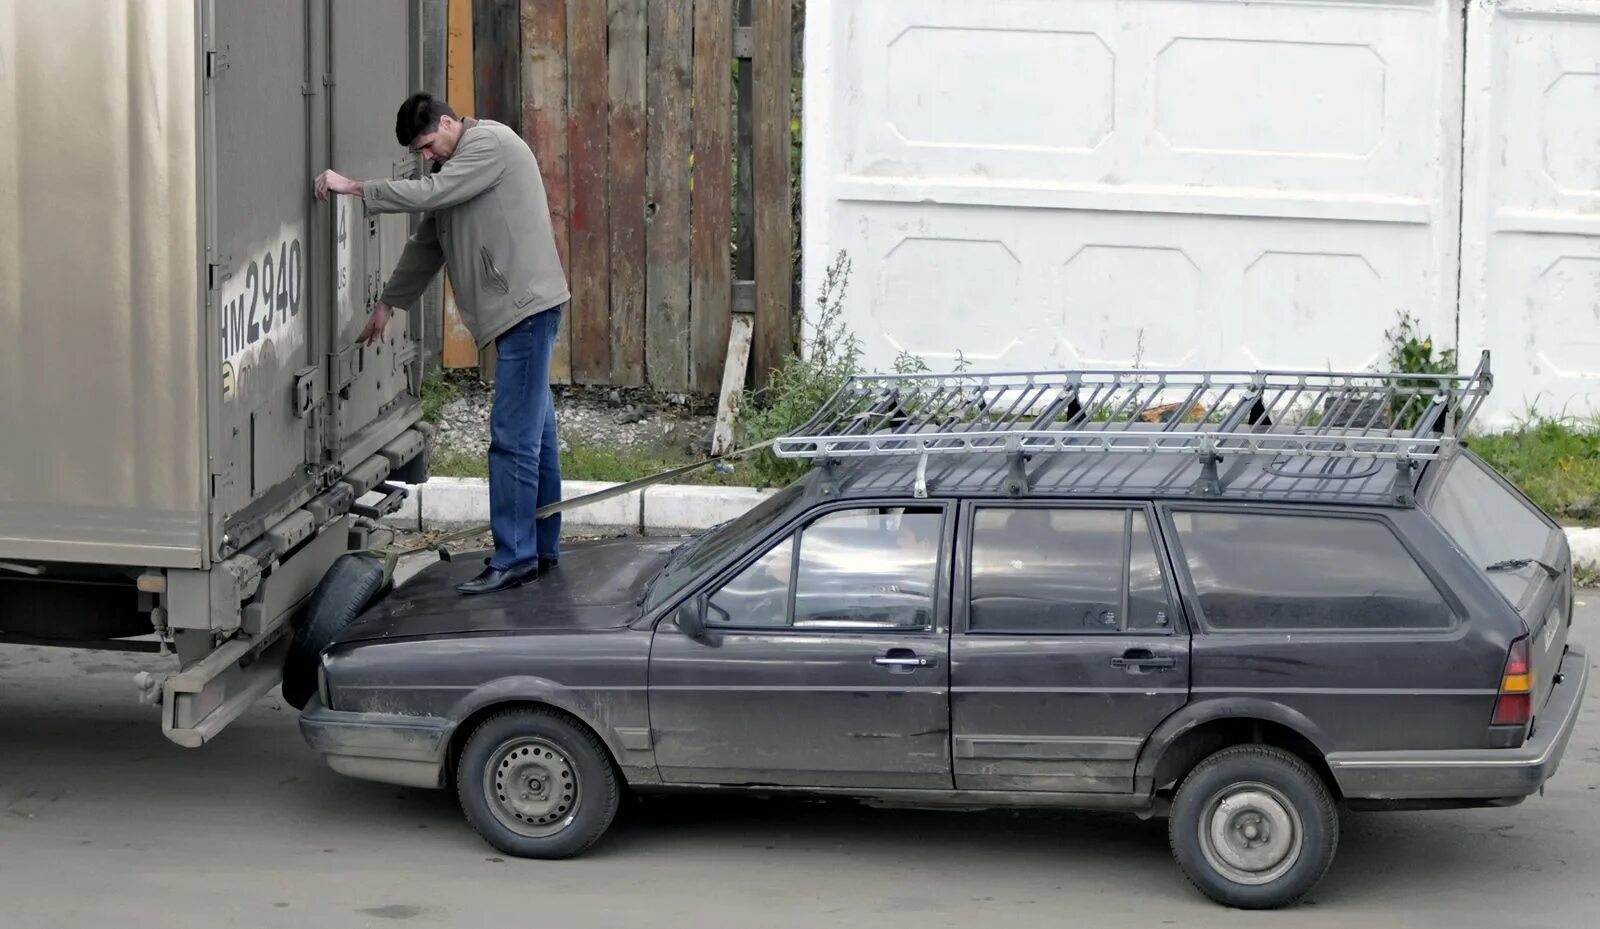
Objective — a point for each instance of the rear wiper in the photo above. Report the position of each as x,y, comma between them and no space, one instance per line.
1515,563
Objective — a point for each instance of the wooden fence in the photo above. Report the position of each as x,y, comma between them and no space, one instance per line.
663,129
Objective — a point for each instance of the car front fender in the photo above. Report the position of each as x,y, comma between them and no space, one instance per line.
624,730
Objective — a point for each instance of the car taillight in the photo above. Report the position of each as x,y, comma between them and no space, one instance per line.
1514,707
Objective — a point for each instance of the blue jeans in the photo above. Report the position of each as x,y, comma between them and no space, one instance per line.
524,457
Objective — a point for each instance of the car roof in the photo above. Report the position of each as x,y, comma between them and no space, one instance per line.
1097,474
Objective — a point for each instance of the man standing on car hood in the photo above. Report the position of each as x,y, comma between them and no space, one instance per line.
485,217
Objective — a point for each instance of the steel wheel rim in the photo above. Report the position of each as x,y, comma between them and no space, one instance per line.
532,787
1251,834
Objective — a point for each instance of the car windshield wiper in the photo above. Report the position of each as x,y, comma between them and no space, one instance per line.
1514,563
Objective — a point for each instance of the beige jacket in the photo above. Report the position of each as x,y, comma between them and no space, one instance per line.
486,219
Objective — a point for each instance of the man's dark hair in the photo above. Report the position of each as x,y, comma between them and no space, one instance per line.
418,116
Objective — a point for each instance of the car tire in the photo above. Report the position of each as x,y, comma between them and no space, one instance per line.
1253,827
351,584
567,790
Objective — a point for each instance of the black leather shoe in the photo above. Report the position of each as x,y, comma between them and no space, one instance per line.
492,580
547,564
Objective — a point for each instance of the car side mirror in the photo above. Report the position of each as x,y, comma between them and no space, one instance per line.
690,618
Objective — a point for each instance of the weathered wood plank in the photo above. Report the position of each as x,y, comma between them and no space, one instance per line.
587,124
733,375
544,126
460,351
667,228
626,60
496,60
744,190
774,222
712,191
496,65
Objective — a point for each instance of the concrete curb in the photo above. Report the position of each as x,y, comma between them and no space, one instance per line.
1585,547
449,503
446,503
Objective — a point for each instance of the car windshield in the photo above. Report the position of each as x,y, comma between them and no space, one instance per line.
697,554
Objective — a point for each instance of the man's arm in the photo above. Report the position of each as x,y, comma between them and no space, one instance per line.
419,262
473,169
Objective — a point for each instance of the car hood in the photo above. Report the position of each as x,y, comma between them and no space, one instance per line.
598,585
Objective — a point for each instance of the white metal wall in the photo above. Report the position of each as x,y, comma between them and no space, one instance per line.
1531,230
1056,183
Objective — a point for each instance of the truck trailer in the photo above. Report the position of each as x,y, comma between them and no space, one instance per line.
190,432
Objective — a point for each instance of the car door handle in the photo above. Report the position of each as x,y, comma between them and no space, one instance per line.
903,659
1140,660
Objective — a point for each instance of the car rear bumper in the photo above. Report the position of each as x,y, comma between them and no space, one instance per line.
407,750
1492,773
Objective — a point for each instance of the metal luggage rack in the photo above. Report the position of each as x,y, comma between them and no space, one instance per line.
1403,417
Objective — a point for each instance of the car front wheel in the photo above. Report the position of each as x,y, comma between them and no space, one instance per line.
536,785
1253,827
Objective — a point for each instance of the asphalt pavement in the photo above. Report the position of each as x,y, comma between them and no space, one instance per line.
105,823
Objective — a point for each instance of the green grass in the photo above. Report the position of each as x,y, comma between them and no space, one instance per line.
1555,462
437,392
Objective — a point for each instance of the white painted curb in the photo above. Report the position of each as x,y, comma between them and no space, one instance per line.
688,507
456,502
1585,545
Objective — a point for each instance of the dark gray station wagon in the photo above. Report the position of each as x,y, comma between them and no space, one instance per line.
1240,601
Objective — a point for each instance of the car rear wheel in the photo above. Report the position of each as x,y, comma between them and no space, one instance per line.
536,785
1253,827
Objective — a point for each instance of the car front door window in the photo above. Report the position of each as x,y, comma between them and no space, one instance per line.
859,569
759,595
868,569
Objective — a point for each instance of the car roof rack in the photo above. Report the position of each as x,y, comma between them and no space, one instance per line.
1404,417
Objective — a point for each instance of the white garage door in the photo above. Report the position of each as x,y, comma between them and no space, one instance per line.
1531,238
1059,183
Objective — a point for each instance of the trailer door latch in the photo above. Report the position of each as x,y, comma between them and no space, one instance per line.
308,392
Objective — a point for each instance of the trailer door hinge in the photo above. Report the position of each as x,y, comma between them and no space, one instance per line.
216,63
344,367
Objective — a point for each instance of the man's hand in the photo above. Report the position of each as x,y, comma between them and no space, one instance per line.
376,324
332,182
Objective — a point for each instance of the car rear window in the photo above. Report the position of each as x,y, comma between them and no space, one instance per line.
1491,523
1290,572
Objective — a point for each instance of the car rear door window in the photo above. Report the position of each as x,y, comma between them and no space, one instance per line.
1064,570
1271,571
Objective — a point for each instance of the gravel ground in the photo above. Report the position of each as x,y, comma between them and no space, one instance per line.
671,425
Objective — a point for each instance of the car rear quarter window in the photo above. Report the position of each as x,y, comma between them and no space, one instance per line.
1271,572
1043,570
1490,523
